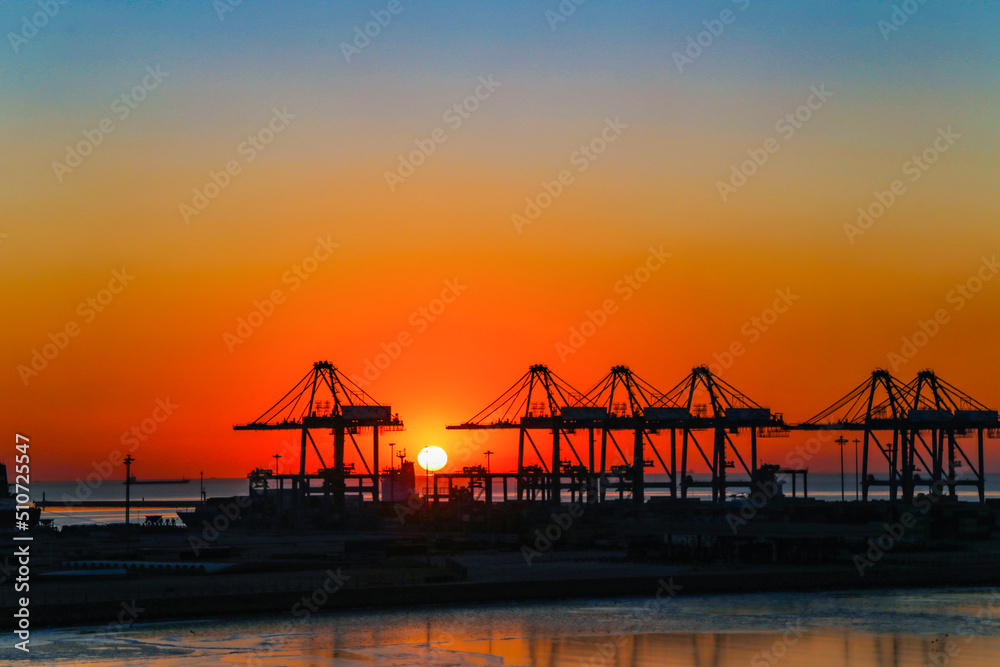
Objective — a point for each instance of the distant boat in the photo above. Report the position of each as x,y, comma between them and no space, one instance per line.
182,480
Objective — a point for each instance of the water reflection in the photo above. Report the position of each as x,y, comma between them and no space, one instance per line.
887,628
816,648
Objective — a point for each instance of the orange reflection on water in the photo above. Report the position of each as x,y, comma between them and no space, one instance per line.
795,646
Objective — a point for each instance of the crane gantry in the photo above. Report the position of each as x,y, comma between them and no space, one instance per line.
912,434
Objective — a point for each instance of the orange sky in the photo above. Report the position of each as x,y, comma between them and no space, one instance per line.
655,185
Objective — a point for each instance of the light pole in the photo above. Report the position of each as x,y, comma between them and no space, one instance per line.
431,458
128,488
392,467
841,441
856,484
280,488
488,482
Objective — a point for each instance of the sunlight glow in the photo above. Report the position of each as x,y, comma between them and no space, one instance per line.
432,458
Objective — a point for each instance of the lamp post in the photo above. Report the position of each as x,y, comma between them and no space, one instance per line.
431,458
856,482
128,489
487,452
279,487
392,467
842,441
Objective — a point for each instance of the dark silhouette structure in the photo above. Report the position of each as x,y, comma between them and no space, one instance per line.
564,434
914,428
325,399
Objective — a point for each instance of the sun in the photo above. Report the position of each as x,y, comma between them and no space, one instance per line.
432,458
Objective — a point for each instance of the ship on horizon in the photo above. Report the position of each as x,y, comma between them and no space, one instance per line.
133,480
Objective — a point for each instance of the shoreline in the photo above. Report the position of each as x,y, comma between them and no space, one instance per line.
243,600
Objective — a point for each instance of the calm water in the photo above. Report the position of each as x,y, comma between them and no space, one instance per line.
832,629
824,486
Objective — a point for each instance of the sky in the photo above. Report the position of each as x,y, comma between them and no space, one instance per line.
201,199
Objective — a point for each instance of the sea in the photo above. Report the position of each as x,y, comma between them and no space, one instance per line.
822,486
922,627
